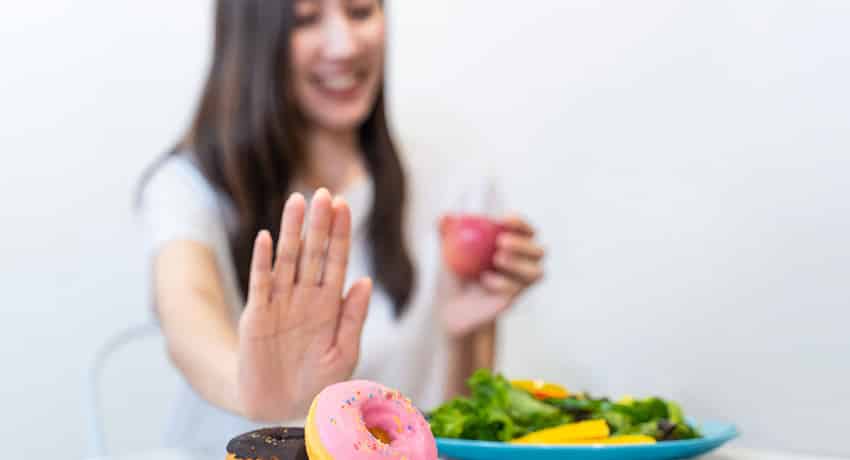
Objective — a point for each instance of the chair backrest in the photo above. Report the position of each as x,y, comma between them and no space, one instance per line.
106,354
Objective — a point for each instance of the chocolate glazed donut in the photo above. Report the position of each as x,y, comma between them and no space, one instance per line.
268,444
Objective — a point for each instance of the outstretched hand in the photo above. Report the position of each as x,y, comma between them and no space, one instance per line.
298,332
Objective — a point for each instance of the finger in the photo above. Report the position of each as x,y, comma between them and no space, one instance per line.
260,278
353,315
313,252
443,223
515,223
524,269
289,242
336,262
520,245
500,284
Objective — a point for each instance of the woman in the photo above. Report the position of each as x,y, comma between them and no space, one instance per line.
344,285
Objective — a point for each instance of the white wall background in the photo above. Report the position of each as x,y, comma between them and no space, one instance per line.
687,164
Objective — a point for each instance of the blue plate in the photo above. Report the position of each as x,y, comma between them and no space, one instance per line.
714,434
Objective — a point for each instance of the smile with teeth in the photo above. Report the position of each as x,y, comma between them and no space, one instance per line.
341,82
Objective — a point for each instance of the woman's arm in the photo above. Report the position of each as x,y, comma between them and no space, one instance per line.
196,321
485,347
471,309
295,336
467,354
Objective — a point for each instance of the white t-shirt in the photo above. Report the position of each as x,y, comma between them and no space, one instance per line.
409,354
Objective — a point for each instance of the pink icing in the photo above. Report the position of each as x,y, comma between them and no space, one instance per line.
345,412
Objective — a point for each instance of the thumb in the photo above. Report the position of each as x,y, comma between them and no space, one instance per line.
355,306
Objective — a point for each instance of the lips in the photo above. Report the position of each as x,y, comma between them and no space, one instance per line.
339,82
341,85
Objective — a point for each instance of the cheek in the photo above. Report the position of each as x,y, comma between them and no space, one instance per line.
299,54
373,39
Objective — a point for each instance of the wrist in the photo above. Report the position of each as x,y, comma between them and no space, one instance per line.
260,402
462,341
265,411
467,335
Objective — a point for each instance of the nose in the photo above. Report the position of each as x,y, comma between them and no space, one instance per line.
340,40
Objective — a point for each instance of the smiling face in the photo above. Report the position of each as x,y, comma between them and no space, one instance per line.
337,59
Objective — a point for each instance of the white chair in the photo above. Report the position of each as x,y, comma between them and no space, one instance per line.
96,436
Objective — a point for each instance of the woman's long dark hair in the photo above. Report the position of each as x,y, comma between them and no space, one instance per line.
246,138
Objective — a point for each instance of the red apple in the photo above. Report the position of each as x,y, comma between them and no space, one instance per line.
469,243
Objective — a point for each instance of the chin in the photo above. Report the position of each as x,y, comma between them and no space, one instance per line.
344,123
343,118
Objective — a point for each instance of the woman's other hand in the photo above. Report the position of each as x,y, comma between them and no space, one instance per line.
517,265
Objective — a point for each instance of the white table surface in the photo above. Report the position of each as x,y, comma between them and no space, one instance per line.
725,453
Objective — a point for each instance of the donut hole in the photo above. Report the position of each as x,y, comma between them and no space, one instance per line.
380,434
380,422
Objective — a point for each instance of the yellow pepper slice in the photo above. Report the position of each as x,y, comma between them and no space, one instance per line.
626,400
564,434
617,440
540,389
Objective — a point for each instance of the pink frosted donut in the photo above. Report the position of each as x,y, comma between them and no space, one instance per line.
366,420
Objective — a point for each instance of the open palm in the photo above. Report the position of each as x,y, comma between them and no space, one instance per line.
298,332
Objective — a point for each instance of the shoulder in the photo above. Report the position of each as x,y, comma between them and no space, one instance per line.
175,180
178,203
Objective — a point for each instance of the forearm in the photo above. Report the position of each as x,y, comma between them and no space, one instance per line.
467,354
203,347
196,321
485,346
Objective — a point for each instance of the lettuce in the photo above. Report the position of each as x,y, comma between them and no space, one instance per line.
498,411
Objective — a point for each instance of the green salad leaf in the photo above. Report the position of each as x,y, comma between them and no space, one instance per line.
498,411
